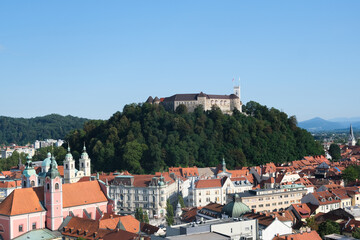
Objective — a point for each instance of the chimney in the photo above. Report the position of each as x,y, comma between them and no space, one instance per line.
111,216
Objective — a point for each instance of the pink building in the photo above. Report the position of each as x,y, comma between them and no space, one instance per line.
47,206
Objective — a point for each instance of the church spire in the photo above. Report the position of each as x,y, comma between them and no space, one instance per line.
352,140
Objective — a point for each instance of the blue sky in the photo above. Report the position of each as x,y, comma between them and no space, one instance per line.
90,58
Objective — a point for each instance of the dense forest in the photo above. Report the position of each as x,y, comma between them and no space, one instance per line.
145,138
26,130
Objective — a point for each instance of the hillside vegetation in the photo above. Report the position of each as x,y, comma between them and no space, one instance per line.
26,130
145,138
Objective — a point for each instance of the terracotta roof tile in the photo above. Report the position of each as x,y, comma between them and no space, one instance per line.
313,235
80,193
209,183
23,200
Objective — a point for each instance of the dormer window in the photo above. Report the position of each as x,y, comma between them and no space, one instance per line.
323,199
330,199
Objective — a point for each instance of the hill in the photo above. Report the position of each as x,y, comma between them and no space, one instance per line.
26,130
340,124
145,138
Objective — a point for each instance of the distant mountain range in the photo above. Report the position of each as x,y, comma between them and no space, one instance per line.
318,124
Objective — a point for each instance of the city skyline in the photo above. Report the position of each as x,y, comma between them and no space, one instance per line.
89,59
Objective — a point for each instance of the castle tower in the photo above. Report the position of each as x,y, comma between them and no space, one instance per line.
53,197
69,168
352,140
237,91
85,163
29,177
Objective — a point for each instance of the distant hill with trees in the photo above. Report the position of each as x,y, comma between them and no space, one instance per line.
26,130
145,138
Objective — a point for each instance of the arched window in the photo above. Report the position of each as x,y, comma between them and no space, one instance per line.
33,183
24,184
82,164
48,186
66,166
56,186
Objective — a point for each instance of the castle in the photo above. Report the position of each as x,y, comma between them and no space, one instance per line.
226,103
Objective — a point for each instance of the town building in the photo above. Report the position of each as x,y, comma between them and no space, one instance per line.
226,103
273,199
150,192
220,229
326,201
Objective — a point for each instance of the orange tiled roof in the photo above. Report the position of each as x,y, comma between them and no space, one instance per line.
313,235
209,183
130,223
10,184
80,193
22,201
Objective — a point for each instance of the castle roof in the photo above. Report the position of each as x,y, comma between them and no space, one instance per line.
28,200
194,97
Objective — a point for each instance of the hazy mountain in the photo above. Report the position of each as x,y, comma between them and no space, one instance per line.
318,124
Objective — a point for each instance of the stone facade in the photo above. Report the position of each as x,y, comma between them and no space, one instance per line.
149,192
227,103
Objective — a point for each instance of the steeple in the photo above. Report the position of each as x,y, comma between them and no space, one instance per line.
85,162
352,140
223,165
69,167
53,197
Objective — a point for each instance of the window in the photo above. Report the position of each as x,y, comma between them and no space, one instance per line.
66,166
48,186
208,199
21,228
268,204
261,205
253,206
34,225
24,184
207,192
82,164
33,183
56,185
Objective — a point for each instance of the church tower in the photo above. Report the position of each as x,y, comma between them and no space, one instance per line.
69,168
29,177
352,140
53,197
85,163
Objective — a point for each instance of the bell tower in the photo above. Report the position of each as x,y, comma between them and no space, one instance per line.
69,168
85,162
53,197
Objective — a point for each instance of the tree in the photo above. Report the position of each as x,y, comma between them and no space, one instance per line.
312,223
334,152
146,217
328,227
356,233
350,174
181,201
181,109
139,215
169,213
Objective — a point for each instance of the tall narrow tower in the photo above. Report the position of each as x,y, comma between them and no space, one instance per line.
352,140
237,90
53,197
69,168
85,162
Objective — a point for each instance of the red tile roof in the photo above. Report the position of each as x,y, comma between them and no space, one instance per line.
313,235
209,183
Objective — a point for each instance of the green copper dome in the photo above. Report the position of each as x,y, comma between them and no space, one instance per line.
235,208
53,171
29,170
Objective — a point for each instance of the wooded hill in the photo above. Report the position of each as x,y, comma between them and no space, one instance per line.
26,130
145,138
